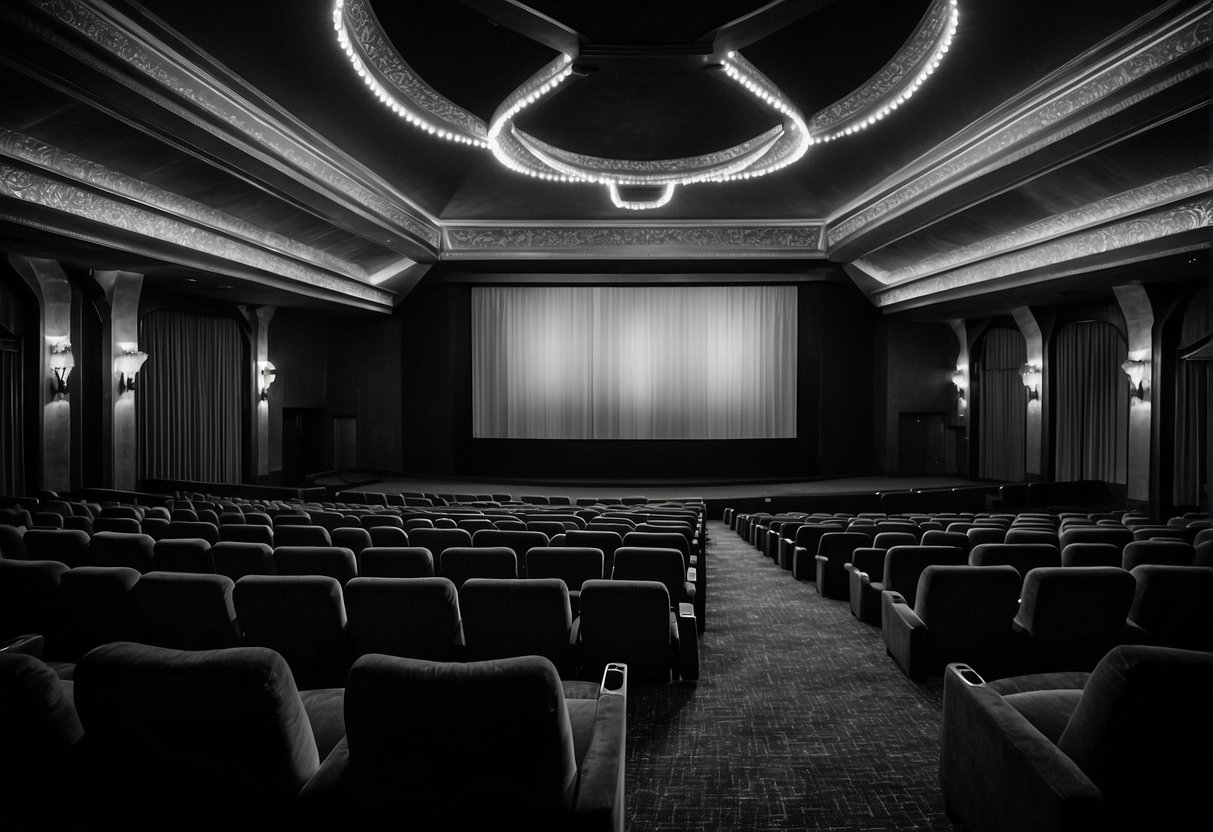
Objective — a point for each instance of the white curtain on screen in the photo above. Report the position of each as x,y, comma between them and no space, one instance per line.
643,362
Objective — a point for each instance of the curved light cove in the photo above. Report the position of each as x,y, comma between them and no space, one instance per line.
392,81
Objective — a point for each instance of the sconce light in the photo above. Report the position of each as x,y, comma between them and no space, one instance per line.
1030,374
127,365
1136,371
62,362
958,378
268,373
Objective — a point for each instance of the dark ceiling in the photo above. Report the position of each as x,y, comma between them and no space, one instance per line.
1111,105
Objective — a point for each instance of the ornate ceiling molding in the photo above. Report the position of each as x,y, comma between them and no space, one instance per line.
1050,259
32,187
99,178
616,241
184,88
393,82
1047,118
1127,203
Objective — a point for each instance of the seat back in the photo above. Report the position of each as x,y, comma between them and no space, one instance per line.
572,564
388,536
1023,556
660,540
30,600
517,540
301,535
413,617
135,551
517,617
887,540
193,726
968,612
642,563
183,554
628,622
1091,554
605,539
462,562
303,618
42,735
1173,605
1033,535
502,726
1165,551
247,533
201,529
99,607
68,546
1118,536
235,559
334,561
187,611
349,537
1073,615
438,540
1141,732
978,535
904,564
395,562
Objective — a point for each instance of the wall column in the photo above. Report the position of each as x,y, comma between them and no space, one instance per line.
1034,461
54,293
122,291
1139,325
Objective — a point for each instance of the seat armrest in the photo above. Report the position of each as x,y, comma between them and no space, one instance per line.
599,800
905,635
688,643
692,575
31,644
990,751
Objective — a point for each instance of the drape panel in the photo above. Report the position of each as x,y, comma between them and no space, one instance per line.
1191,409
644,362
190,397
1092,394
12,450
1001,408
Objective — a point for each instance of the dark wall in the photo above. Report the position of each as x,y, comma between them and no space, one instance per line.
342,366
918,360
834,403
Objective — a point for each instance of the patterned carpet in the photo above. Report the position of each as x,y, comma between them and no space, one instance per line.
799,721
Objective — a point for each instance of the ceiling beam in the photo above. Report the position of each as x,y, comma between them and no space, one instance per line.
753,27
529,23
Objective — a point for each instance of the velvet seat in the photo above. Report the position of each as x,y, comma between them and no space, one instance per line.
804,553
288,534
605,539
504,617
412,617
1172,606
185,554
177,529
247,533
493,744
632,622
1023,556
834,552
301,617
68,546
395,562
187,611
31,602
517,540
1126,747
439,540
959,614
572,564
135,551
235,559
333,561
902,567
353,538
217,731
1165,551
98,606
459,563
1069,617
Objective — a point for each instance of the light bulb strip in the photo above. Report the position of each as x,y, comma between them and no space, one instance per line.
640,205
412,111
943,18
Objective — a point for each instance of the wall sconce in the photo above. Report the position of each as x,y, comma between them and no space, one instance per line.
1136,371
1030,374
62,362
958,378
268,373
127,365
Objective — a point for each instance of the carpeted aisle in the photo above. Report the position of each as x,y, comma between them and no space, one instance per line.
799,721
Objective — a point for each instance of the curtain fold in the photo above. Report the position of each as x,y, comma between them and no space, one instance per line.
1191,409
12,448
1092,396
641,362
1001,409
190,397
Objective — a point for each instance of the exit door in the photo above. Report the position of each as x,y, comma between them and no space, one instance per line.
921,444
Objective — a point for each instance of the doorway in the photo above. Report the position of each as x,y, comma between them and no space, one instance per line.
302,443
921,444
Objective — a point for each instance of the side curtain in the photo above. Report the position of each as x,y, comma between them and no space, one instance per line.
1191,474
190,397
1092,395
1001,408
12,456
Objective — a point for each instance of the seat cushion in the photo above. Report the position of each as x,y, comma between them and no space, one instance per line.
1048,710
